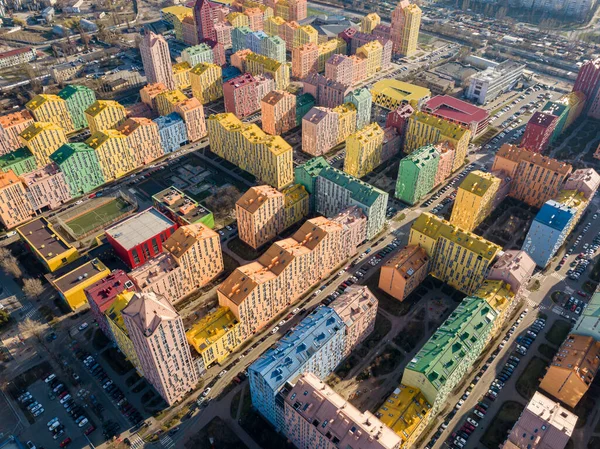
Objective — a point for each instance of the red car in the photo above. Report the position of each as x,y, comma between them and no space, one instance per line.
65,442
89,430
582,294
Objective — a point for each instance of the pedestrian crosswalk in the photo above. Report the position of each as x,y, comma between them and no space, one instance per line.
167,442
136,441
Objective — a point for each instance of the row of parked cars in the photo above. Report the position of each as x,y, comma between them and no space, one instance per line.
524,341
33,407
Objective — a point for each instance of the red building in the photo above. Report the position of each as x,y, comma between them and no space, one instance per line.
588,80
218,51
241,95
140,237
538,132
398,120
454,110
102,294
203,16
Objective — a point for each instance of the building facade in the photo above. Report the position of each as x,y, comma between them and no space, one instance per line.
156,58
404,272
474,199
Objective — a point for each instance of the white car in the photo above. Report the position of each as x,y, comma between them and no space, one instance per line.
282,322
50,378
52,421
65,399
83,422
38,412
296,310
222,373
107,384
54,426
275,329
83,326
205,392
472,422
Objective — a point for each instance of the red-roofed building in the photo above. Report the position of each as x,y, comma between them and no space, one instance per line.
452,109
102,294
17,56
538,131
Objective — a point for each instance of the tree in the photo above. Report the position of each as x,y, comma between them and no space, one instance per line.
223,203
4,317
30,328
4,253
11,267
32,287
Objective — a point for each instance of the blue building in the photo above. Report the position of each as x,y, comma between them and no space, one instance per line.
172,132
238,38
316,346
548,231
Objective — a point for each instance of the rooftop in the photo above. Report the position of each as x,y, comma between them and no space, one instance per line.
147,311
19,155
449,129
210,328
478,182
76,273
103,292
101,105
454,109
354,302
181,205
542,119
360,191
256,197
139,228
555,215
521,155
588,323
36,128
399,90
404,410
41,236
15,118
69,149
408,261
186,236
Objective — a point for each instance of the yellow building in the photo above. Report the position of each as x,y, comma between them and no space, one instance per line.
474,199
263,65
457,257
372,52
296,204
363,150
273,25
346,120
43,139
406,412
105,114
51,108
391,93
119,330
269,158
424,129
181,75
215,336
114,154
206,80
305,34
577,201
369,22
499,295
328,49
48,246
175,16
166,101
406,23
237,19
70,285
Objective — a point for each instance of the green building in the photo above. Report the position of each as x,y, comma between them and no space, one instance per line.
449,354
561,111
79,162
306,174
363,100
78,99
19,161
196,54
181,208
416,175
304,103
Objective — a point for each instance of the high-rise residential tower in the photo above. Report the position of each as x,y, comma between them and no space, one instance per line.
156,58
406,21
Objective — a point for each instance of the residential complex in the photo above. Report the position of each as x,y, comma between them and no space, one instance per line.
46,188
207,82
11,126
114,154
43,139
241,96
364,150
416,174
20,161
78,99
52,109
80,164
154,51
15,208
278,112
143,138
404,32
474,199
404,272
103,115
539,131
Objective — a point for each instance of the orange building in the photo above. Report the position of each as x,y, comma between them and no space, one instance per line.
404,272
573,369
143,139
11,125
192,113
260,215
150,91
278,112
535,178
305,60
15,207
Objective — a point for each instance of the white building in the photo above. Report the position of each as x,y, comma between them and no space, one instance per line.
493,81
17,56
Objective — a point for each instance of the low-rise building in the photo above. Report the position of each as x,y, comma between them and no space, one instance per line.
391,94
493,81
452,109
404,272
17,56
181,208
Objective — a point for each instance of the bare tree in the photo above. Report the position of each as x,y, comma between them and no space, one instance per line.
11,267
4,253
30,328
223,203
32,287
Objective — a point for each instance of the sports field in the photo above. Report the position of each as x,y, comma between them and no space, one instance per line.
99,216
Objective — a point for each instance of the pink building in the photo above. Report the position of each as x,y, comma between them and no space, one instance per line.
357,307
340,68
316,417
156,59
204,19
188,27
240,95
538,132
260,215
585,180
347,36
158,336
192,113
446,162
354,225
11,125
46,188
359,69
218,52
588,79
513,267
139,109
255,19
319,131
223,33
278,112
391,144
149,92
399,119
238,59
143,138
327,92
102,294
305,60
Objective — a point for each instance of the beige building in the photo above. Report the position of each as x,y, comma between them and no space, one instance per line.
158,336
192,113
319,131
156,59
404,272
143,139
259,214
46,188
149,93
354,225
278,112
15,207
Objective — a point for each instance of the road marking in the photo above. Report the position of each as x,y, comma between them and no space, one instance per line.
167,442
136,441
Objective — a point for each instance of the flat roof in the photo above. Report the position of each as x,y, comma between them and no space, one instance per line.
43,238
455,109
139,228
65,280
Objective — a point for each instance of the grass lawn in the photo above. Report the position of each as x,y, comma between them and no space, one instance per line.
558,332
382,327
96,217
387,302
221,435
504,420
529,380
547,351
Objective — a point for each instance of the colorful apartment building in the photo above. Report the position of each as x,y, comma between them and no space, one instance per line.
149,93
514,267
81,167
317,417
46,188
20,161
11,126
320,131
588,80
172,132
327,49
192,113
364,150
268,158
327,92
573,369
406,23
43,139
115,156
447,153
278,112
369,22
404,272
181,208
197,54
588,323
304,103
143,139
539,131
469,116
70,282
363,101
340,68
51,250
416,174
207,82
535,178
457,257
260,215
450,352
373,53
166,101
474,199
15,207
241,96
156,59
305,60
105,114
391,94
51,108
262,65
78,99
315,346
354,228
181,75
175,15
156,331
501,298
424,129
